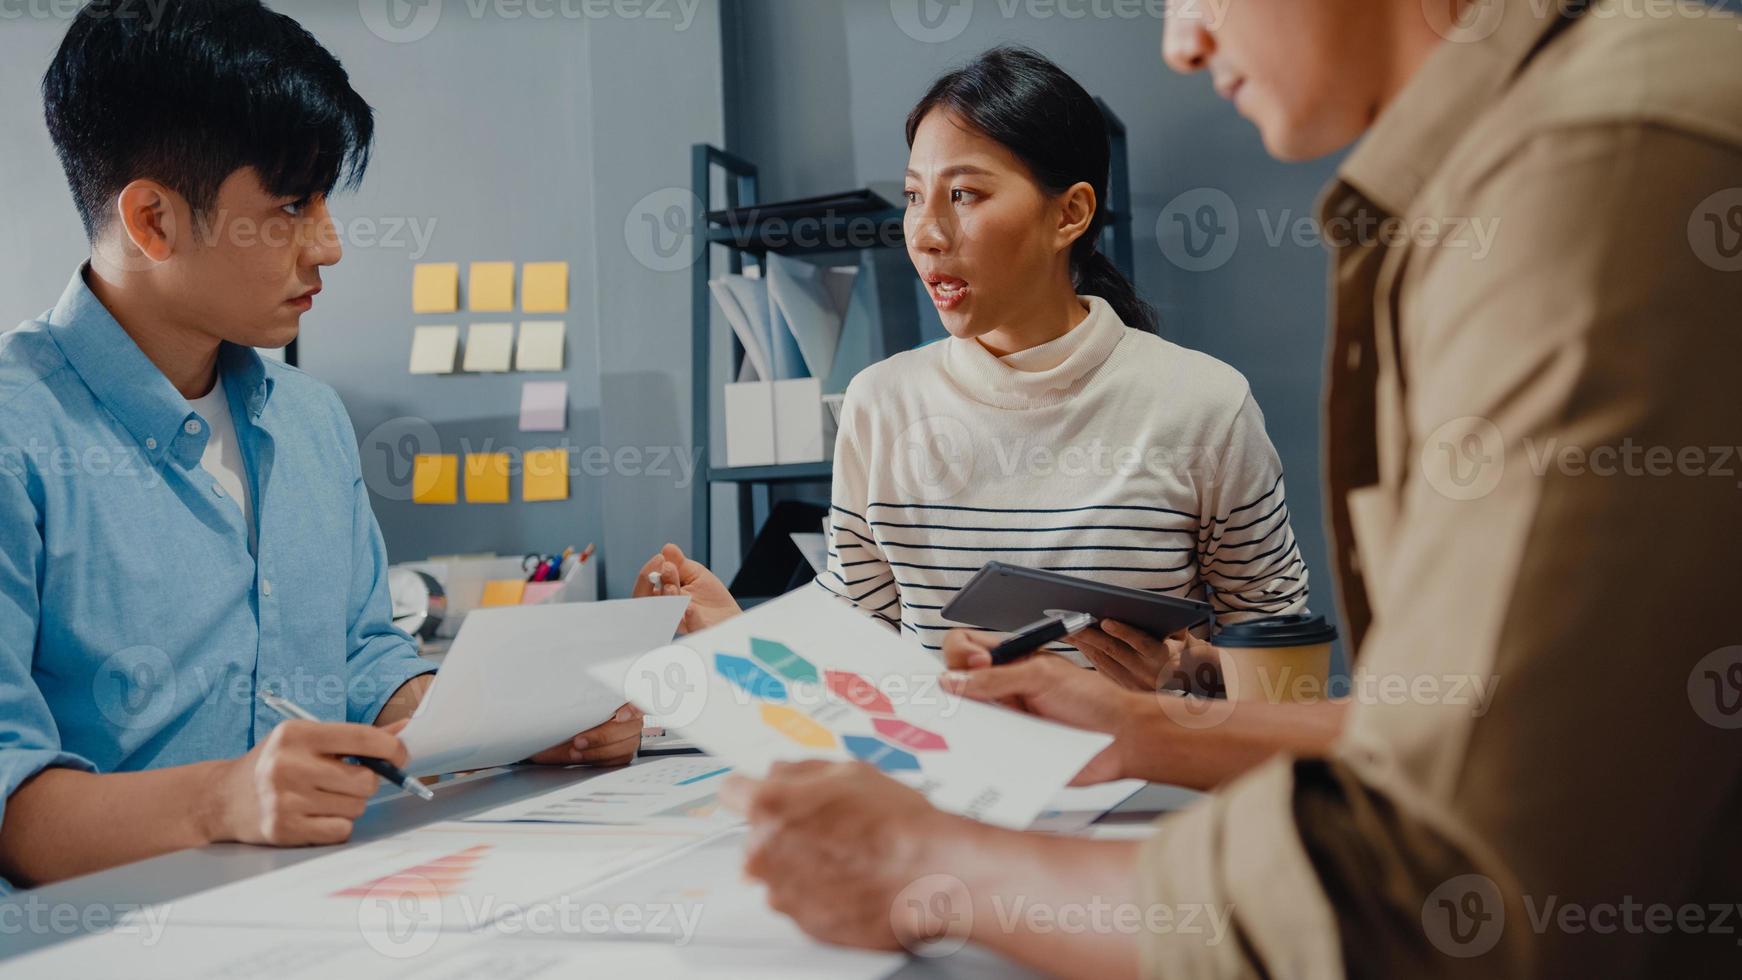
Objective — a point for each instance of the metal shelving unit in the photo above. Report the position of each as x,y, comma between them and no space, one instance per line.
879,230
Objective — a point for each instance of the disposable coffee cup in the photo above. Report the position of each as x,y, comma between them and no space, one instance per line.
1283,658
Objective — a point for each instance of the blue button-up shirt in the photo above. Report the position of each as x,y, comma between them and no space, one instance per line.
138,621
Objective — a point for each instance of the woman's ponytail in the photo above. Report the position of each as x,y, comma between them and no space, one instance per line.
1096,275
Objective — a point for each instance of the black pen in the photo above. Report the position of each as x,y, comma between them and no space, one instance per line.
1036,635
386,770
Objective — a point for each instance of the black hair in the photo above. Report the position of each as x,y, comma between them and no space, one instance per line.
1017,97
195,93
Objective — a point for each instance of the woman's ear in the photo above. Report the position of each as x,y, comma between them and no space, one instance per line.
1077,207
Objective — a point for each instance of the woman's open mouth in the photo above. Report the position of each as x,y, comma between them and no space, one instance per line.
947,292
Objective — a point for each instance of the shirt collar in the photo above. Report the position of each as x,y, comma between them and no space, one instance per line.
126,381
1460,81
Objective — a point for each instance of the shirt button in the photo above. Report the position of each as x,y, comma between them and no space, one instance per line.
192,427
150,443
218,489
266,587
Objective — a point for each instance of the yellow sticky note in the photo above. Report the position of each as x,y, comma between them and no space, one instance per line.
490,288
487,478
435,287
435,480
546,475
503,592
544,287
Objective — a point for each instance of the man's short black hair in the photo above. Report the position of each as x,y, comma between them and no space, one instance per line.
189,98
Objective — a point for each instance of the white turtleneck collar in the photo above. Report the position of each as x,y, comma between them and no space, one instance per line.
1040,376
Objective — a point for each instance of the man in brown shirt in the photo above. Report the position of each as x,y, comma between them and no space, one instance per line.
1534,480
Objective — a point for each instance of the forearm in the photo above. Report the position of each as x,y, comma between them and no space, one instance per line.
405,700
1207,752
1065,906
61,823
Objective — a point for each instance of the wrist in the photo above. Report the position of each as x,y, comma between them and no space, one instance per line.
210,817
1134,736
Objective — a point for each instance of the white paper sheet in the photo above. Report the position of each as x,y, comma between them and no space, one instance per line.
444,877
651,791
817,680
226,953
516,680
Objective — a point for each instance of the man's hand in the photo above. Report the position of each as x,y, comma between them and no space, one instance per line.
838,844
1137,661
293,789
710,602
613,743
1049,687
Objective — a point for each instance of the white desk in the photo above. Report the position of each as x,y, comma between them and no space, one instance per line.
57,913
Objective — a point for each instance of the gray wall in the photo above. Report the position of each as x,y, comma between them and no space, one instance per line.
817,91
501,136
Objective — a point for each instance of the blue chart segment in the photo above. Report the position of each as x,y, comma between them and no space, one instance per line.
880,754
753,680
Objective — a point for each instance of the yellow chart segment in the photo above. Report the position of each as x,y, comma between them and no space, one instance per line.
798,727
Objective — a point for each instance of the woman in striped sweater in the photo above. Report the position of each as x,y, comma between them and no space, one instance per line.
1053,428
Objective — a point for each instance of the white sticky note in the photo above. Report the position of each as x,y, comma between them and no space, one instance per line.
544,406
433,350
541,345
490,347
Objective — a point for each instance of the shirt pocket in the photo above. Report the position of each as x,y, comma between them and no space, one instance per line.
1373,519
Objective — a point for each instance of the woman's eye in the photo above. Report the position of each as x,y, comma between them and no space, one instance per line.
961,196
295,208
912,196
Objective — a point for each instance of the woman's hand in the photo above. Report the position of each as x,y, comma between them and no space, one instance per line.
1137,661
710,602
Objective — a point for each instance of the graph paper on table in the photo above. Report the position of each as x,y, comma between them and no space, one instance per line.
650,791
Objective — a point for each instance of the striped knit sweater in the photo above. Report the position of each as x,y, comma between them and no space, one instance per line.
1108,453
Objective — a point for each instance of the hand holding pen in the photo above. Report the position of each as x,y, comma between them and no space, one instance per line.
386,770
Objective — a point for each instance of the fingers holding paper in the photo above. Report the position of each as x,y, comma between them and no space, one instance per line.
613,743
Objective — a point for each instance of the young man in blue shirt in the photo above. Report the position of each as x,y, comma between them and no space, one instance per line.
184,523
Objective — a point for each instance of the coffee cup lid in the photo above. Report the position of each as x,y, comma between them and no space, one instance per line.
1299,630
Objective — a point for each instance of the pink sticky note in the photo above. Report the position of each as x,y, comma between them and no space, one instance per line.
544,406
537,592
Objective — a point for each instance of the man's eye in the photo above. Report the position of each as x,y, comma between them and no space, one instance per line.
296,208
912,196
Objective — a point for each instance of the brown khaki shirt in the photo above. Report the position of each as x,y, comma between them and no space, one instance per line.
1535,486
